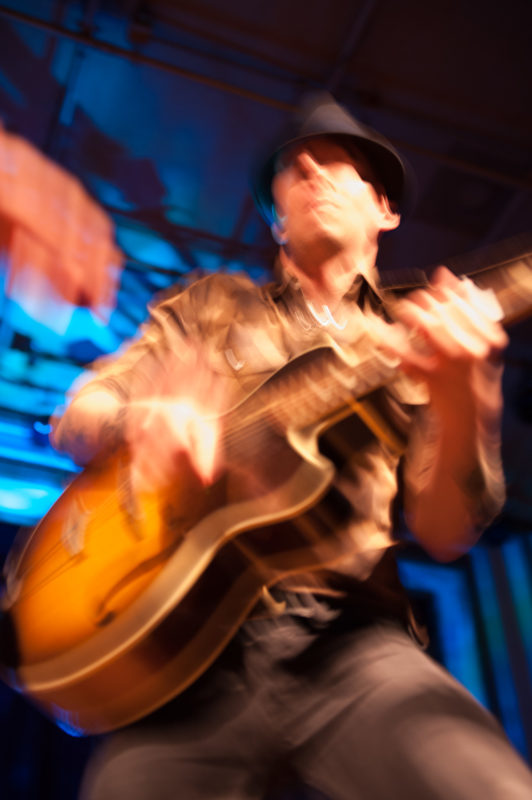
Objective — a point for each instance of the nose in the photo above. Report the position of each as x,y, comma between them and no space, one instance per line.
307,163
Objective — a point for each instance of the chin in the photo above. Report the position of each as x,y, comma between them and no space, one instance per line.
323,244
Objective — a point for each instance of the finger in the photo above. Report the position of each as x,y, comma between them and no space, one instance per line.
203,448
473,316
419,297
406,344
485,300
443,277
198,434
427,326
453,324
478,312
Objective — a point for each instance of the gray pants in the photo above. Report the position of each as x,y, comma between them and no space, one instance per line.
355,711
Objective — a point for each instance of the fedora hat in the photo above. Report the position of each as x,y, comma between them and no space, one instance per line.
321,115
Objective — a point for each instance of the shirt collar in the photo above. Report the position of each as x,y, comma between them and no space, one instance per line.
362,287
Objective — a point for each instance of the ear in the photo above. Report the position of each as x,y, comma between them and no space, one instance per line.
278,231
390,217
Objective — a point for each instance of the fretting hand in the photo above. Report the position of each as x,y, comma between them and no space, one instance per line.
450,336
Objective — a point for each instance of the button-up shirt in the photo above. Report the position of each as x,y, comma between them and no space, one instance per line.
342,404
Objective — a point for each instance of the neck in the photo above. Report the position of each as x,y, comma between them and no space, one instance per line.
326,281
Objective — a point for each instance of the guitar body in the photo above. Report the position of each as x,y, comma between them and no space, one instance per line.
118,601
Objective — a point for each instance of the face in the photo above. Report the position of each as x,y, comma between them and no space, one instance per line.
328,196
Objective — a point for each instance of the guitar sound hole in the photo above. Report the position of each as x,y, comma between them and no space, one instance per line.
106,619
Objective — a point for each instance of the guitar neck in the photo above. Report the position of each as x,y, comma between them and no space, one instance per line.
512,284
314,387
506,268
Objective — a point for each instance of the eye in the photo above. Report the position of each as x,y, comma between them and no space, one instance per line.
284,160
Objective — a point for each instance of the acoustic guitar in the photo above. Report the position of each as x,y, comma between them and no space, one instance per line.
119,601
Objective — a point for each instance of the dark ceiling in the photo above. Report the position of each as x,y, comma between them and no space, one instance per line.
160,108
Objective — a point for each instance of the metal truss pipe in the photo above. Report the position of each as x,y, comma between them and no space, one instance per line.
104,47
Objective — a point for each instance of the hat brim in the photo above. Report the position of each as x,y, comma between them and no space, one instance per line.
325,117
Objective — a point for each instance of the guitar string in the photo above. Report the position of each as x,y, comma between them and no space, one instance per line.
239,432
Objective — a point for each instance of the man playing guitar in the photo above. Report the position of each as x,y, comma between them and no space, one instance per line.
324,680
